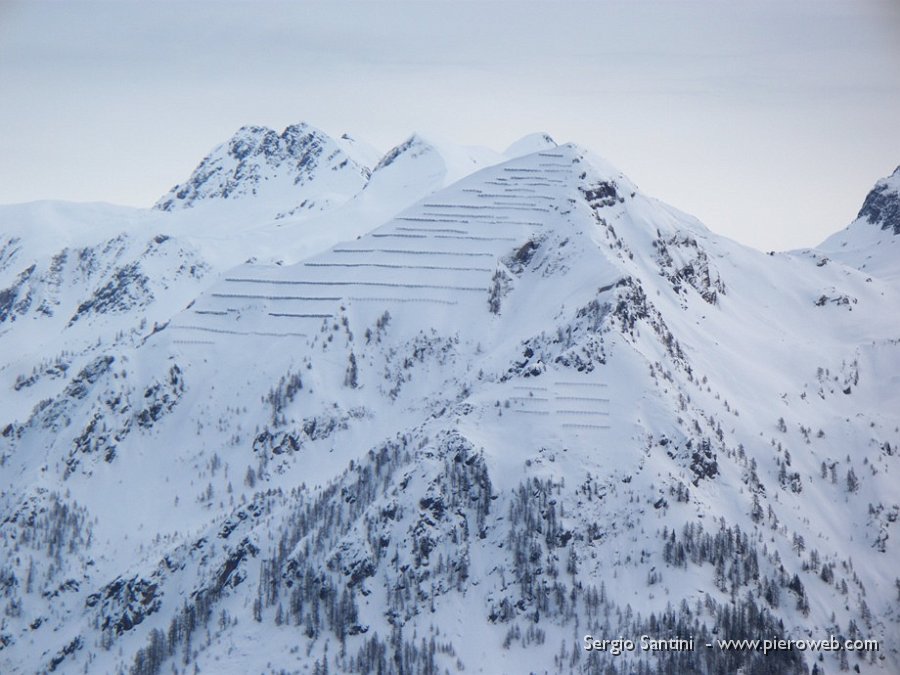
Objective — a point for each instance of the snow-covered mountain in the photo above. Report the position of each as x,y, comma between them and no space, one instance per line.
484,406
300,169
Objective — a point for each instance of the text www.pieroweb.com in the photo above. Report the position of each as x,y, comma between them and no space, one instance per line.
646,643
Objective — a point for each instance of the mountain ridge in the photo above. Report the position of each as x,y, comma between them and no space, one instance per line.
536,398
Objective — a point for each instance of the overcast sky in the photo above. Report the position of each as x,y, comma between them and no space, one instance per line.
769,120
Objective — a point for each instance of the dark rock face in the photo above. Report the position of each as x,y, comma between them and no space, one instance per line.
16,299
602,194
161,398
123,604
882,205
703,462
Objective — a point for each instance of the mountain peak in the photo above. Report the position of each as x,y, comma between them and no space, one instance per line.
258,160
882,204
529,144
414,144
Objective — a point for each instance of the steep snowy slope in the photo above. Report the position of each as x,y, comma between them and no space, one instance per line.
533,406
870,243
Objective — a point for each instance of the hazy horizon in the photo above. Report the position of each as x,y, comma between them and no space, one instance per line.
768,121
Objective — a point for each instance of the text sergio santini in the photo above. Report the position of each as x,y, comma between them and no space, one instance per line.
646,643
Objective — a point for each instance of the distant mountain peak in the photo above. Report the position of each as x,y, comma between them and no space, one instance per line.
415,144
529,144
258,159
882,204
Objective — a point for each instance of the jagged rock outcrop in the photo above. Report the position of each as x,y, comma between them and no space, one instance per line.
882,204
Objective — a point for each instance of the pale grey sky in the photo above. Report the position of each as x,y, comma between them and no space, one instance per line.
769,120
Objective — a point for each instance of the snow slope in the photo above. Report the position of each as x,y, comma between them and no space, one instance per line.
132,269
869,243
532,405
